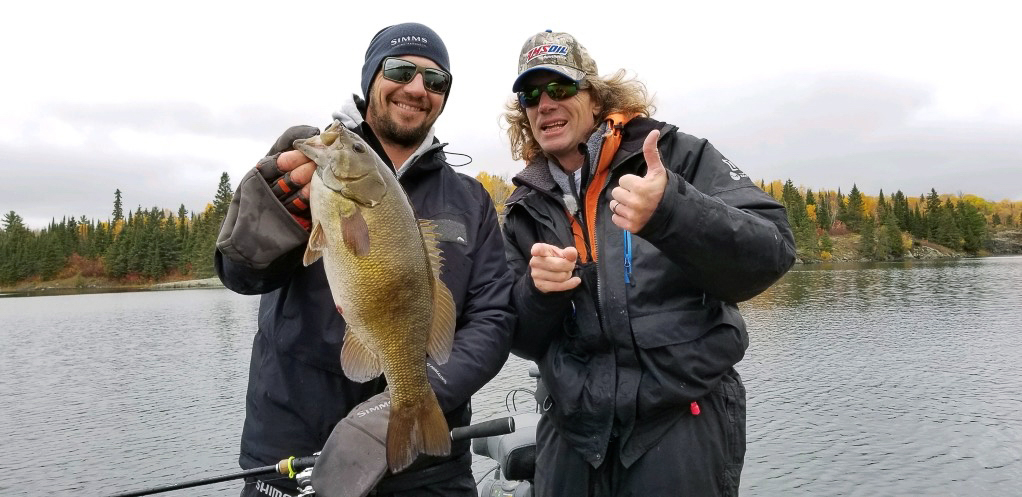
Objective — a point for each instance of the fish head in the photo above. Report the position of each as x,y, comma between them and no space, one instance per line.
346,164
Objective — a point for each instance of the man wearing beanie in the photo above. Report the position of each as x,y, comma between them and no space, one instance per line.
299,401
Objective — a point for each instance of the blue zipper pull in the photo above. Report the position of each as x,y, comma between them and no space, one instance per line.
628,258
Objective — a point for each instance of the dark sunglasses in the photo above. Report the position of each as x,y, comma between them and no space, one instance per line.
555,90
402,71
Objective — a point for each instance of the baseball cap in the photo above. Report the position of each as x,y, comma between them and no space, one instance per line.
557,52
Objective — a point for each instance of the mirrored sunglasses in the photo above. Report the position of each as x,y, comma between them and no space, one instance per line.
403,71
556,90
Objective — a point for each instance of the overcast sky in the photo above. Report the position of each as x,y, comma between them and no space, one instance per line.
159,99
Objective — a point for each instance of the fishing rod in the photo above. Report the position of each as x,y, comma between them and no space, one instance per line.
293,465
287,467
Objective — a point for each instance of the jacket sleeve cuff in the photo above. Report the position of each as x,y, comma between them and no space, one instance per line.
258,229
658,223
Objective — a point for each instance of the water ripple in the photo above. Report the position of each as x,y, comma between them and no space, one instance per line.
863,379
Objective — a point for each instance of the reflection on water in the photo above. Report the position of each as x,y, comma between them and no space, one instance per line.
886,379
863,379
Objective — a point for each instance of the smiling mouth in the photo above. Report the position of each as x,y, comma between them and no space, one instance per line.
553,126
408,107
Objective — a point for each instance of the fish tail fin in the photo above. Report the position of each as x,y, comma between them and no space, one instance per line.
416,429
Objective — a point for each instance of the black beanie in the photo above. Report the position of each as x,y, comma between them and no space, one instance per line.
410,38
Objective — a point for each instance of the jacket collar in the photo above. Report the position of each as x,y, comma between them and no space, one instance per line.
536,176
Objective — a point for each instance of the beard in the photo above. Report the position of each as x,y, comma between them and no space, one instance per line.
388,129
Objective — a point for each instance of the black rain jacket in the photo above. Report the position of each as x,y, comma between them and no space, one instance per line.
297,390
627,359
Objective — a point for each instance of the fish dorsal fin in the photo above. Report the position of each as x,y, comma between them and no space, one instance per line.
441,329
355,233
314,249
358,362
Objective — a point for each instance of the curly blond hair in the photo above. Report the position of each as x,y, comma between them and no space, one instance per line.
610,94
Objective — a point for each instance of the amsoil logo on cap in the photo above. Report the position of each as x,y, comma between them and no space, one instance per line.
548,49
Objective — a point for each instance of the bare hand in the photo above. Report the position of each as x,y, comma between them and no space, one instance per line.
551,268
636,197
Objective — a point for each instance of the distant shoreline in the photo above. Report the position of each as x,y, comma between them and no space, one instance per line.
101,285
203,283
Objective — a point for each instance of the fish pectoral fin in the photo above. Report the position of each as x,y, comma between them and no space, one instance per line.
355,233
441,329
314,249
358,362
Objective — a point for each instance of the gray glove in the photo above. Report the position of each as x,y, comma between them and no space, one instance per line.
354,458
280,182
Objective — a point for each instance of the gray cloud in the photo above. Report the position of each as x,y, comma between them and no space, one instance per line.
58,183
831,131
64,181
823,131
172,117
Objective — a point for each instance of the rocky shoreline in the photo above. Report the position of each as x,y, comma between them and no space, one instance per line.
204,283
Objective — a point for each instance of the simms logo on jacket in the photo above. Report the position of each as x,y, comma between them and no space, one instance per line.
548,49
372,409
409,39
267,489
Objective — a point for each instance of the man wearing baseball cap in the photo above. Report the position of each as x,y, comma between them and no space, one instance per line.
299,401
631,243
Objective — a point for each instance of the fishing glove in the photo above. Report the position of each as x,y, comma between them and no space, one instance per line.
287,192
354,458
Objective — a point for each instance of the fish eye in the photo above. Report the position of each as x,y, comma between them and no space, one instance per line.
358,148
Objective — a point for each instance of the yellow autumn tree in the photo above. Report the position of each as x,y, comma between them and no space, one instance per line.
498,187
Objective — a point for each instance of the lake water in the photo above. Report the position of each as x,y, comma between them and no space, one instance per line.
863,379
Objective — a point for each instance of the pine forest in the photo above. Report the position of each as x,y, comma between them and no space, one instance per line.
147,246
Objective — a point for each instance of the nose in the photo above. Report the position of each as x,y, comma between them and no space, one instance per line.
545,102
416,86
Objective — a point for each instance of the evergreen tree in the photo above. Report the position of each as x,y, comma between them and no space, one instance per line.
224,195
118,210
882,208
823,217
889,238
182,229
918,223
972,225
13,223
826,245
16,263
947,231
933,214
868,238
802,226
49,256
855,211
902,213
840,204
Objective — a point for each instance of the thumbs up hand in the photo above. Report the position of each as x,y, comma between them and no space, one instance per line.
636,197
